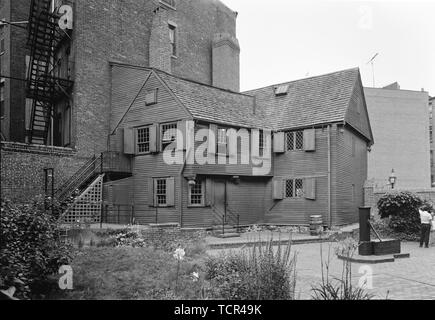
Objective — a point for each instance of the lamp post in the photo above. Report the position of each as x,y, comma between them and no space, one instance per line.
392,179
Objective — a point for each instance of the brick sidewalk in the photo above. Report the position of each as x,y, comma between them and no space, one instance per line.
409,278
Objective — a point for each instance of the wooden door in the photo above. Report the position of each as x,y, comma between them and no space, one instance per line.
220,196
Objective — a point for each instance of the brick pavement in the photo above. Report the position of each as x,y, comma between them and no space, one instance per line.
409,278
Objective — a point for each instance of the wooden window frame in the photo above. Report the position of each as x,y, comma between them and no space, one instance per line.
157,194
295,140
173,29
137,140
164,143
294,194
219,129
148,93
202,204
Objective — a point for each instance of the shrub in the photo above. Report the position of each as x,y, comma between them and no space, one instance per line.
31,248
261,273
402,209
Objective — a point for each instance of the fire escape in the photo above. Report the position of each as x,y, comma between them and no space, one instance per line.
43,87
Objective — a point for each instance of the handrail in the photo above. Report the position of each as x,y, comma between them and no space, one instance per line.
75,182
75,177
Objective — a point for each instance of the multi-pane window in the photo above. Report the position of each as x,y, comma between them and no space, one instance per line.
196,197
295,140
160,192
430,134
294,188
143,140
261,142
2,46
222,136
173,39
169,134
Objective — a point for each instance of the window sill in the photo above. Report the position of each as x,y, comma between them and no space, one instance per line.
174,57
196,206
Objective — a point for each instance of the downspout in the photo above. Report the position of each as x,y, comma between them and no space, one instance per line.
329,177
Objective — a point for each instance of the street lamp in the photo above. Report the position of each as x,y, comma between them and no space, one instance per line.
392,179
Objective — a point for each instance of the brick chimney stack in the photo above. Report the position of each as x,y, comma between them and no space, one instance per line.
226,62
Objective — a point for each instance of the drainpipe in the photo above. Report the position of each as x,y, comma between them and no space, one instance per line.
329,177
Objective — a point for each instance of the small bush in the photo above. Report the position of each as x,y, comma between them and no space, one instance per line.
262,273
402,210
31,248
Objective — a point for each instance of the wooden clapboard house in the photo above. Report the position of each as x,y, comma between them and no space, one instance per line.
320,136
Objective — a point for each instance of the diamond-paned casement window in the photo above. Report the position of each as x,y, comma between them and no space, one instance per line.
289,188
143,140
151,97
161,191
299,188
196,194
169,133
295,140
281,90
294,188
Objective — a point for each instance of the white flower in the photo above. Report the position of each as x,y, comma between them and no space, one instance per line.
195,276
179,254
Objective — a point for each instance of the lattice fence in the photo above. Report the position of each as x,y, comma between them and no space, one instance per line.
87,207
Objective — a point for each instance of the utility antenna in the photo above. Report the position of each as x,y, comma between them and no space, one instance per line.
373,67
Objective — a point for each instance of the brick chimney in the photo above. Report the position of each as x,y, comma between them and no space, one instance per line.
226,64
160,51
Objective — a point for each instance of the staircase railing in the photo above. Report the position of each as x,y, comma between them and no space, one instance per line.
86,172
226,218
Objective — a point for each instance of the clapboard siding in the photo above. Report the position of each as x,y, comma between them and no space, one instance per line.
351,170
357,114
166,109
302,164
126,84
298,211
242,169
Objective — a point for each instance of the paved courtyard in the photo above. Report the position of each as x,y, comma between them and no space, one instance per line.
408,278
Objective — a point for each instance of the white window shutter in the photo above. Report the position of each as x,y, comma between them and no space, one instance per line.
278,142
310,139
310,188
278,188
170,192
154,133
128,141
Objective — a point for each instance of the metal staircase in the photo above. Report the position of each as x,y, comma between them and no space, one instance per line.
42,87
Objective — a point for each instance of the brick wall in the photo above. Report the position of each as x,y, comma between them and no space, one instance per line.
121,31
22,169
14,64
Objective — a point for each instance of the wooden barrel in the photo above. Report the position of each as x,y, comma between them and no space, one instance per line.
316,224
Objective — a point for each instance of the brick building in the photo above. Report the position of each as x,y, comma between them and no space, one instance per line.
13,53
400,123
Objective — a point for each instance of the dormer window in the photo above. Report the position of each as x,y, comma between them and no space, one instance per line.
281,90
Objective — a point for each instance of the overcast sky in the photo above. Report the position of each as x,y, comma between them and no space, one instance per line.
284,40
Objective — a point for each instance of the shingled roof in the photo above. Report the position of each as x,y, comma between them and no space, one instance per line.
213,104
310,101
